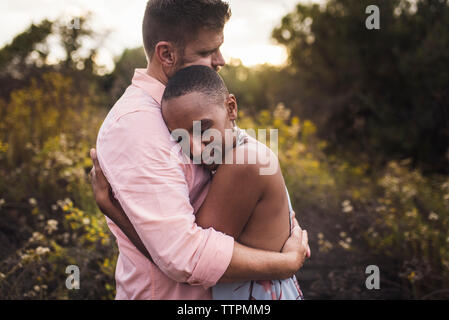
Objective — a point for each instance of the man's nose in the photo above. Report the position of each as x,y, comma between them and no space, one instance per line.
218,60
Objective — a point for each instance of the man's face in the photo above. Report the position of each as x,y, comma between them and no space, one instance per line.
204,50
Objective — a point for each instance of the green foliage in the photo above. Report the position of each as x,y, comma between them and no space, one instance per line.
120,78
46,133
256,88
396,216
375,94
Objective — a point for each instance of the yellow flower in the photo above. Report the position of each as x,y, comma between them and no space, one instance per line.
412,276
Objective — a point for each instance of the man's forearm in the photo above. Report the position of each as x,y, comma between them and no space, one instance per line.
255,264
246,263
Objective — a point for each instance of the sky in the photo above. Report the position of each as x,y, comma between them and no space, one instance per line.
247,34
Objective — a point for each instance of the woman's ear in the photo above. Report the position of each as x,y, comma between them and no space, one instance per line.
164,52
231,107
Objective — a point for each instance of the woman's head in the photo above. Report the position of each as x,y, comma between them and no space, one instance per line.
197,93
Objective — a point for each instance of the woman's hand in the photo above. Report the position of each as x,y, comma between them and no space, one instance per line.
297,247
295,223
100,186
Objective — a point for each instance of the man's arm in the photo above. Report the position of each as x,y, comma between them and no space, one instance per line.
246,263
254,264
110,207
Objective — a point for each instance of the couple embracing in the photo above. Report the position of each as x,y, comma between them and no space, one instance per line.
220,227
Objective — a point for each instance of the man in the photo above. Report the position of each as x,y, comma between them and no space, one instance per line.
173,257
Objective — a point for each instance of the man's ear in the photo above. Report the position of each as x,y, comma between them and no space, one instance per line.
164,52
231,107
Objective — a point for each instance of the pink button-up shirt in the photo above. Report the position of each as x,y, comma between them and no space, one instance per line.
160,192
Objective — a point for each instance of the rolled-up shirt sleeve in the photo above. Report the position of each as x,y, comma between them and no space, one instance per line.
148,178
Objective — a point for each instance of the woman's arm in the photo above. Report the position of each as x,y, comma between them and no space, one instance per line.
232,197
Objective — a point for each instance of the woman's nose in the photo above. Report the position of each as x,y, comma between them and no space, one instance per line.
198,148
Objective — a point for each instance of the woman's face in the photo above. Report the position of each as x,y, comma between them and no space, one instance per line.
205,122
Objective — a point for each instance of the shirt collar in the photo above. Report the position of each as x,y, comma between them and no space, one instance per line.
150,85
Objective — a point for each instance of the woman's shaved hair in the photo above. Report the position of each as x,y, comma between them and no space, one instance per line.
199,79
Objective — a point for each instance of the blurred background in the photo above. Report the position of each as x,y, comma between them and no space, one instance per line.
363,119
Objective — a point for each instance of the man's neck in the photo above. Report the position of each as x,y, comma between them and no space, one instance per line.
157,73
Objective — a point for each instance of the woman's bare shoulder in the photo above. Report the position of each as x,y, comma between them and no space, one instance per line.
254,156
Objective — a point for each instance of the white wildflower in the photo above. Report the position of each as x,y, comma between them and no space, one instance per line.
42,250
30,294
347,206
37,236
412,214
433,216
344,245
25,257
66,237
32,202
52,225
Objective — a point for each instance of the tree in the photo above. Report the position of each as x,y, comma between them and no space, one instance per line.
121,77
377,93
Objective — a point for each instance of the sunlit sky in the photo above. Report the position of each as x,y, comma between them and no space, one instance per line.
247,35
